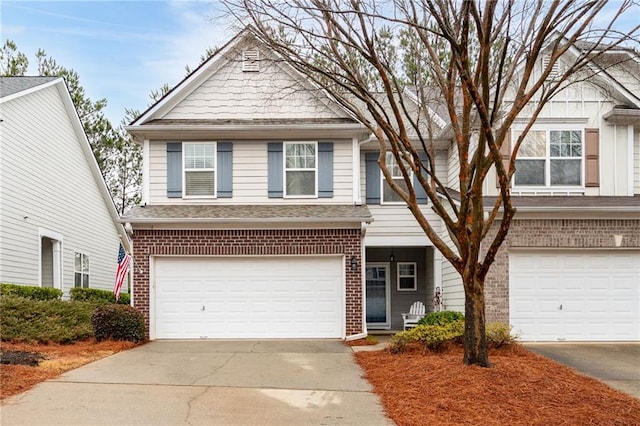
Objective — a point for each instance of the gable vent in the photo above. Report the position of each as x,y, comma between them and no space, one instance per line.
250,60
556,71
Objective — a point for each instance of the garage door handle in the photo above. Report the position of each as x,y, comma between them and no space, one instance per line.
560,307
203,308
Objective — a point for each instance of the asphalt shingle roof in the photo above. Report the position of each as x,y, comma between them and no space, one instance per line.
11,85
249,213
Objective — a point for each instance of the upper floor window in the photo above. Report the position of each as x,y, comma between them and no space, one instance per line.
388,194
550,158
199,169
300,169
81,270
407,277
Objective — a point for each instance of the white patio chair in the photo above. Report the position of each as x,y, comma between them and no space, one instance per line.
416,313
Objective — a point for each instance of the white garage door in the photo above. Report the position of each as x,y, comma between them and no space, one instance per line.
248,297
575,295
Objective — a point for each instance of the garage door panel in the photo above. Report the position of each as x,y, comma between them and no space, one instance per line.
292,297
599,292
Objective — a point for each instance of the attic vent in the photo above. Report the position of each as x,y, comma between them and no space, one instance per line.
556,71
250,60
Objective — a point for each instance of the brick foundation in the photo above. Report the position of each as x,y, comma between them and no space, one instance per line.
552,233
345,242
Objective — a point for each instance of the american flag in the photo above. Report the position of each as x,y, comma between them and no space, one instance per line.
121,273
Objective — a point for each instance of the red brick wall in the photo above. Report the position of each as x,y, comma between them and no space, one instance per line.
347,242
551,233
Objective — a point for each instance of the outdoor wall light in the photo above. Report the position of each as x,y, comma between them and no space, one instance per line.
354,263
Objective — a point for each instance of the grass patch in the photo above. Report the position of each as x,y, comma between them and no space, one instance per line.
45,321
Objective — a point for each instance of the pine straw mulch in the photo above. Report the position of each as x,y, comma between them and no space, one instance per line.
521,388
55,360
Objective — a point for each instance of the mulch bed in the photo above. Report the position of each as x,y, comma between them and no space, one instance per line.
29,364
521,388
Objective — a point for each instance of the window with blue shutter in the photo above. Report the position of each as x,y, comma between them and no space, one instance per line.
373,177
204,163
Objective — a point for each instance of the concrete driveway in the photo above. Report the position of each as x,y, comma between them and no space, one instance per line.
207,382
616,364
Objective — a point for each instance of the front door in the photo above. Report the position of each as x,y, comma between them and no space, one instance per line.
377,297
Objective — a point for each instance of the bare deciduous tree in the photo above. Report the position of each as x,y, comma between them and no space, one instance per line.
479,61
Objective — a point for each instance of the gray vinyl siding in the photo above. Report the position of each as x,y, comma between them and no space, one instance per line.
46,182
452,288
250,175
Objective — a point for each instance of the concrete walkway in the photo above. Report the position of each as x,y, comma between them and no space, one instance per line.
616,364
207,383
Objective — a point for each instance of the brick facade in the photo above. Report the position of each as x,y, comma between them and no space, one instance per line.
347,242
552,233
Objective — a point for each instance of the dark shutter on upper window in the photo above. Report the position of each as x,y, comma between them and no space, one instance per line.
174,169
325,169
421,194
505,153
372,177
274,170
592,157
225,169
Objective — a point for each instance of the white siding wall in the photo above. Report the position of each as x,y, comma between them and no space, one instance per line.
270,93
454,168
587,113
442,166
250,176
636,162
45,182
452,288
394,225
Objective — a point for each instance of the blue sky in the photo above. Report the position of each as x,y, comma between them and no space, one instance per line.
122,50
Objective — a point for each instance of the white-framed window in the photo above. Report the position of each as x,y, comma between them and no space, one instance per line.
407,276
301,169
550,158
389,196
81,270
199,180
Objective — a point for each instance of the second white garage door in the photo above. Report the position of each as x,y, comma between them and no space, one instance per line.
248,297
575,295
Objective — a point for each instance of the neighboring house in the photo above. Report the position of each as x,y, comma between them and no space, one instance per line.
58,225
265,213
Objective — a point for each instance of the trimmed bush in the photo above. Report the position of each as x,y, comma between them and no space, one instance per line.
30,292
44,321
432,337
441,318
500,334
118,322
97,295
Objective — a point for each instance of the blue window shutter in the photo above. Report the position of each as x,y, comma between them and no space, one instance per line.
325,169
421,195
174,169
275,170
225,170
373,177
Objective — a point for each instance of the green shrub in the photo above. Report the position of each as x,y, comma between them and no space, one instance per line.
118,322
30,291
441,318
44,321
94,294
500,334
432,337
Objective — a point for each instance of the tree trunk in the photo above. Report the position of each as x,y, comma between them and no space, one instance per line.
475,340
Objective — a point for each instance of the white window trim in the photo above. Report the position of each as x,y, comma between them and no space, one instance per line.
383,181
88,273
58,265
415,276
185,170
547,188
285,169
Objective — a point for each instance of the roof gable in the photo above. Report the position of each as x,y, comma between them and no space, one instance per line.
223,89
15,86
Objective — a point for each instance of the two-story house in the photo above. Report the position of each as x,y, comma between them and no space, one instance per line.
265,213
58,225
